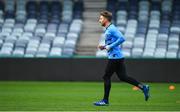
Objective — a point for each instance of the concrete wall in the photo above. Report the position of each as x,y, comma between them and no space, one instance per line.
83,69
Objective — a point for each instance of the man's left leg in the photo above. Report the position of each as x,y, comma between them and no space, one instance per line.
121,73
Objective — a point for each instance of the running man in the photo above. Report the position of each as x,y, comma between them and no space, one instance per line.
114,38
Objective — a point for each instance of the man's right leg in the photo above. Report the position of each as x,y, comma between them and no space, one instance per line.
107,87
110,68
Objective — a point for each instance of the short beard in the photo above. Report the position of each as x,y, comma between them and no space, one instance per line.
103,24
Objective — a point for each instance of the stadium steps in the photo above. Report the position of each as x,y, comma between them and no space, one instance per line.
91,33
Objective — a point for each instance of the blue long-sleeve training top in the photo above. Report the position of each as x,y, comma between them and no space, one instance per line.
114,38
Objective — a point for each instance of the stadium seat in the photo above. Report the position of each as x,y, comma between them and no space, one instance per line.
55,52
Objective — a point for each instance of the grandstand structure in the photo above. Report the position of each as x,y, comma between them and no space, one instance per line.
91,28
151,27
31,28
57,28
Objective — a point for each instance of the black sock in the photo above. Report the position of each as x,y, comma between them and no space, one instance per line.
140,86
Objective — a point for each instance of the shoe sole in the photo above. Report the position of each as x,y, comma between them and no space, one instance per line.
148,94
102,105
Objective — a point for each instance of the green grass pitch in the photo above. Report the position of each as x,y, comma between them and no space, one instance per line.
79,96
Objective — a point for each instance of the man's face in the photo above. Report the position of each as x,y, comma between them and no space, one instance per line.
102,20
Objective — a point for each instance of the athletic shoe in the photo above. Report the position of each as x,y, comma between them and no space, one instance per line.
102,103
146,92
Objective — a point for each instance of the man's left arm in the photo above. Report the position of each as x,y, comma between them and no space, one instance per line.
120,40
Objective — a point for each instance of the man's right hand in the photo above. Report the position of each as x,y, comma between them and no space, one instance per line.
101,47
